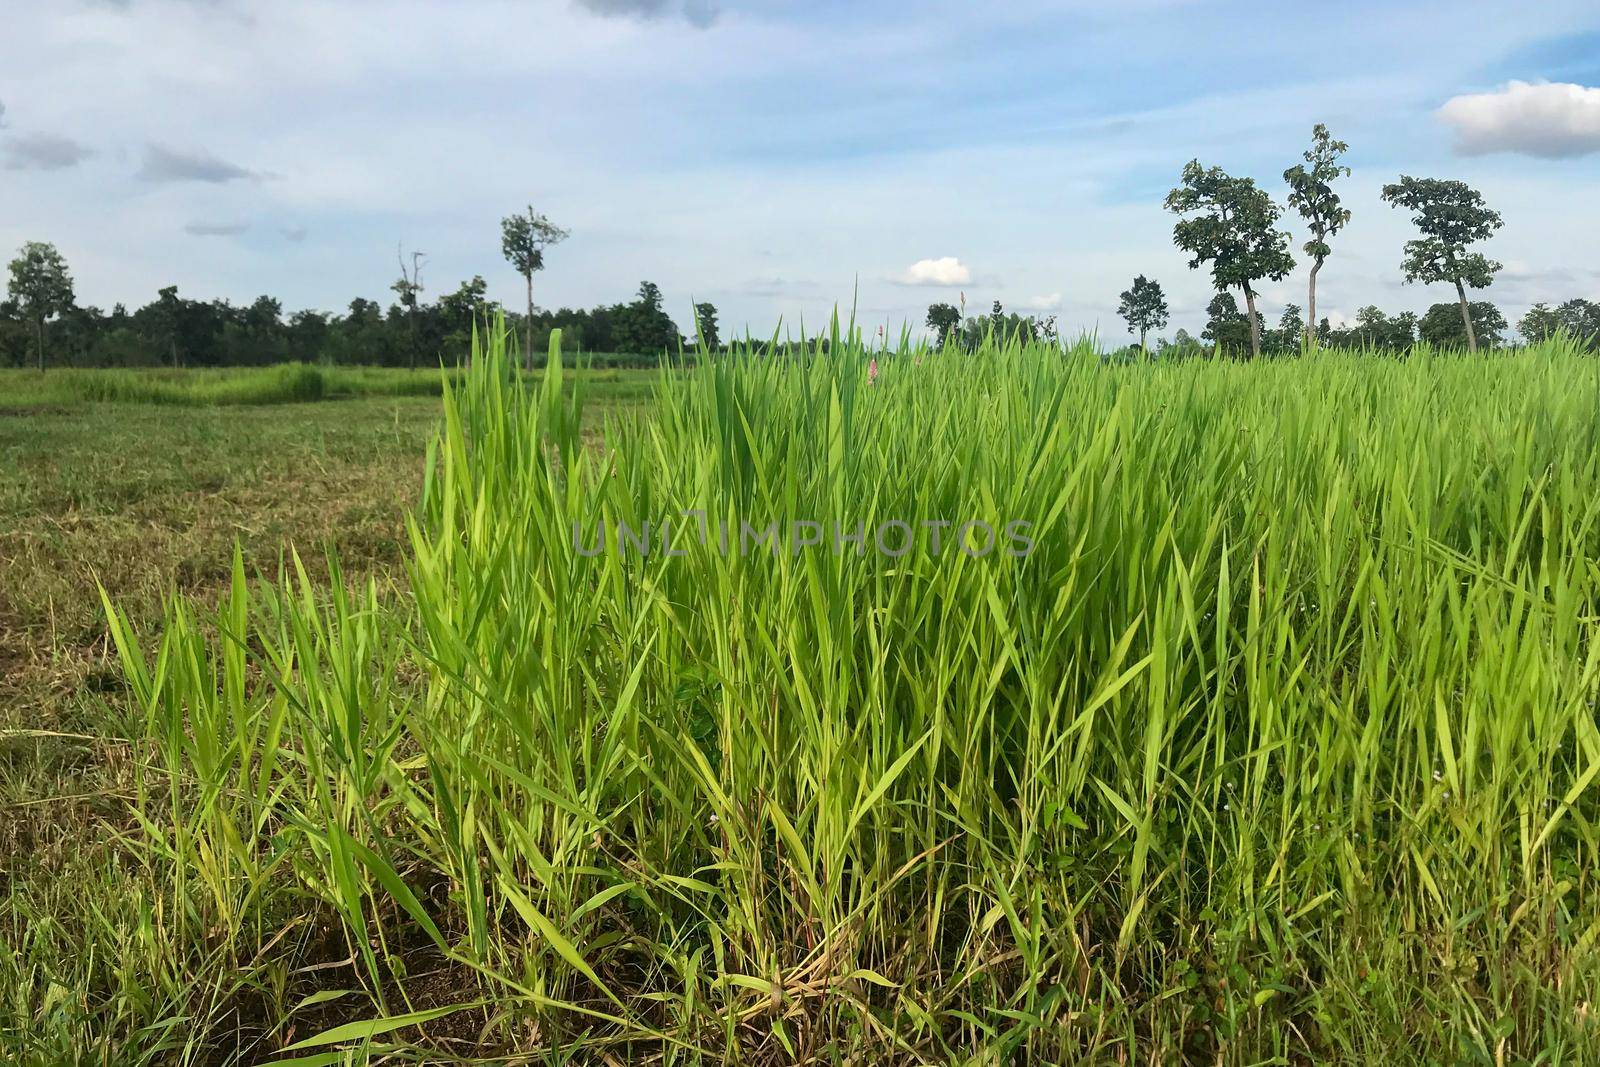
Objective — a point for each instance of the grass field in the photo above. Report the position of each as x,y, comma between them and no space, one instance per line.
287,383
1278,746
148,504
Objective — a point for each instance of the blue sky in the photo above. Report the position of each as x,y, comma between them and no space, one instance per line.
775,157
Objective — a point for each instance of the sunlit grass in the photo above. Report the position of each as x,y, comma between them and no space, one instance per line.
282,383
1280,743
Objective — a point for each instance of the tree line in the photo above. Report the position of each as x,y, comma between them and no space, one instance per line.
1225,223
1231,226
951,326
42,324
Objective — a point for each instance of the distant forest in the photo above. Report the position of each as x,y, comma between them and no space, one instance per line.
173,331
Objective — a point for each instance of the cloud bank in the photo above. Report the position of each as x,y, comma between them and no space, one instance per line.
1548,120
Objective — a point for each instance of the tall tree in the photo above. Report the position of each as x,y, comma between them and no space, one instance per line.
523,239
943,320
1144,308
1311,194
41,286
705,327
1231,224
409,290
1451,216
169,310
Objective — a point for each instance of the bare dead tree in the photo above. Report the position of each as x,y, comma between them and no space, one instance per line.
409,289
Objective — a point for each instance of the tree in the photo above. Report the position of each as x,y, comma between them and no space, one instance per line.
1291,328
943,320
1231,224
1581,319
41,286
1374,329
523,239
359,336
264,316
643,327
307,333
1311,194
1578,319
1540,323
1226,327
1182,346
1144,308
254,334
1044,329
409,289
462,310
1372,326
1451,215
705,327
1002,325
169,310
1402,330
1444,327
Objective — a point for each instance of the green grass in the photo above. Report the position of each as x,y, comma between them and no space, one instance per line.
148,504
144,500
286,383
1280,746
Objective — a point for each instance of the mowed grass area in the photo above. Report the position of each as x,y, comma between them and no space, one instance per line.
288,383
1280,745
149,500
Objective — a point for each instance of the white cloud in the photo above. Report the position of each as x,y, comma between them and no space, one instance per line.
1551,120
1044,303
946,270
